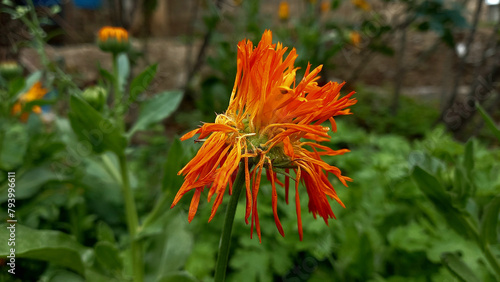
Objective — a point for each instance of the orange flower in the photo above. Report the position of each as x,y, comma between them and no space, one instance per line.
355,38
270,123
110,32
36,92
325,6
283,11
362,4
113,39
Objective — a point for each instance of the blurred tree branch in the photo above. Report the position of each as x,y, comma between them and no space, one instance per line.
201,52
368,53
461,65
190,34
480,84
401,71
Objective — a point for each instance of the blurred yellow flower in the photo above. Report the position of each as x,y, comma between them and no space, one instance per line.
355,38
362,4
113,39
36,92
284,11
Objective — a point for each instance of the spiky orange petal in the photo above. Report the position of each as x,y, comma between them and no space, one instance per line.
273,122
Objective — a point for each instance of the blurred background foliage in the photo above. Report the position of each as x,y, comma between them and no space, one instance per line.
425,201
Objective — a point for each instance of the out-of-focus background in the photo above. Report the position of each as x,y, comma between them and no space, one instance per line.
424,204
440,53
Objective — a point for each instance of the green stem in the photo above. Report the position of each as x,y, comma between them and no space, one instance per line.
110,167
491,259
485,247
132,222
35,28
157,210
117,93
225,239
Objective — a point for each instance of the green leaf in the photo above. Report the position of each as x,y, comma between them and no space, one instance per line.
382,48
32,79
62,275
335,4
489,121
250,265
108,256
435,192
156,109
13,147
177,247
141,82
95,276
48,245
106,74
178,276
431,187
365,256
447,37
15,86
90,126
469,156
30,182
39,102
205,252
281,260
489,222
178,156
458,267
105,233
411,237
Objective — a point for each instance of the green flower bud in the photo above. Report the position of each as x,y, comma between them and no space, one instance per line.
96,96
10,69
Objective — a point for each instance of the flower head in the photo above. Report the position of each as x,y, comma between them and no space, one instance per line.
355,38
362,4
113,39
325,7
36,92
284,11
96,96
271,123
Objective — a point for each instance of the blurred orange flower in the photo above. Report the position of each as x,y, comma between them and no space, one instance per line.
362,4
271,123
36,92
355,38
284,11
110,32
325,6
113,39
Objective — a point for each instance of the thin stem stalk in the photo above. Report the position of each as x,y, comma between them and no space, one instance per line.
225,239
132,222
118,95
